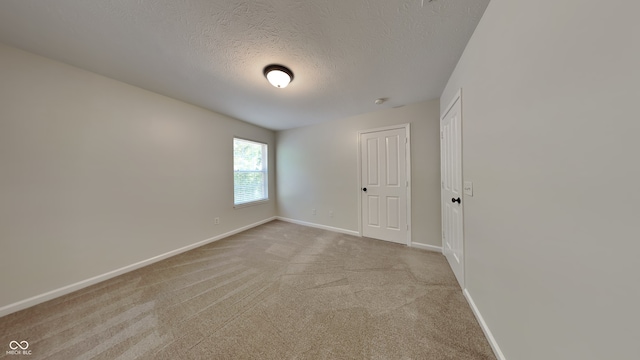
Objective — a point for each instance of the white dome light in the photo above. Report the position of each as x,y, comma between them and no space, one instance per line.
278,75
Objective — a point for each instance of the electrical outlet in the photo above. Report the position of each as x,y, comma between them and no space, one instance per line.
313,211
330,213
216,221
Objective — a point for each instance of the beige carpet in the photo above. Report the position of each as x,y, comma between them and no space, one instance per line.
278,291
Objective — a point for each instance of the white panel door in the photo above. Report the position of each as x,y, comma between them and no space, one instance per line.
451,174
384,185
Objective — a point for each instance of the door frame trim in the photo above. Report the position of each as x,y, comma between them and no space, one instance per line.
407,128
454,99
458,95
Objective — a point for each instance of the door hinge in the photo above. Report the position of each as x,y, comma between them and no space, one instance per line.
441,135
407,184
407,226
406,140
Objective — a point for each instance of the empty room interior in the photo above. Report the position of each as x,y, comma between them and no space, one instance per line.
287,179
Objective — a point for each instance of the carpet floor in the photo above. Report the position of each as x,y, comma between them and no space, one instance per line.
277,291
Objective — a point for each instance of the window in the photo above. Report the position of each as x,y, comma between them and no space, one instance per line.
249,171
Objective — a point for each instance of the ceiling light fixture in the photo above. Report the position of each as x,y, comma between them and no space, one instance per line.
380,101
278,75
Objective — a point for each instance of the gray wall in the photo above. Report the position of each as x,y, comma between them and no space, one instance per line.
550,130
317,168
96,175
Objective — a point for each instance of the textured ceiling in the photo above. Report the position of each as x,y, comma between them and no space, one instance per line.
344,53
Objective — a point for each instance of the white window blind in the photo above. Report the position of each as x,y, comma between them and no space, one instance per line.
249,171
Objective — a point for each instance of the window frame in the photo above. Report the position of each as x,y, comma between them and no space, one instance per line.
265,170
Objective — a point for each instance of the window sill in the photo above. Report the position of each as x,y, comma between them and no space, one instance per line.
243,205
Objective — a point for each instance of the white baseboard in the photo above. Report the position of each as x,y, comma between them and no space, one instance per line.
483,325
319,226
23,304
426,247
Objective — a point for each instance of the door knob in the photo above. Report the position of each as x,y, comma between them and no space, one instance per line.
364,189
453,200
